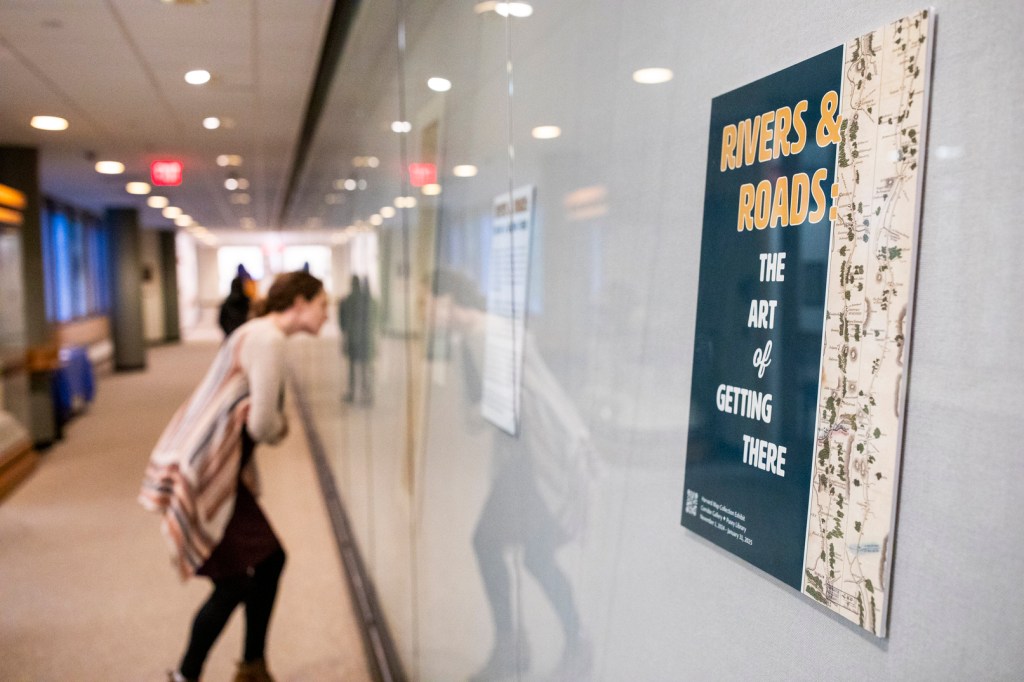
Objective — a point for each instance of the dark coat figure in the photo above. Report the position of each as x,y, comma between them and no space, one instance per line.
234,312
356,315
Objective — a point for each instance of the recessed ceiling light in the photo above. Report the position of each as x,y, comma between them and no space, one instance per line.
405,202
109,167
137,188
520,10
401,126
184,220
225,160
349,184
505,9
157,202
464,171
240,198
197,77
431,190
439,84
243,183
211,123
365,161
376,219
388,212
49,123
653,75
231,184
361,184
546,132
171,212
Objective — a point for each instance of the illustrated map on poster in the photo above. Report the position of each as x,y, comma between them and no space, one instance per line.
807,270
512,227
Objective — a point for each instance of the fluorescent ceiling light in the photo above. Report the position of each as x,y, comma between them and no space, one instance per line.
171,212
211,123
183,220
376,219
158,202
197,77
388,212
652,76
464,171
137,188
109,167
431,190
49,123
401,126
546,132
438,84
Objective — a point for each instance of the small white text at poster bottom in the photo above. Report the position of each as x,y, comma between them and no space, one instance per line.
722,518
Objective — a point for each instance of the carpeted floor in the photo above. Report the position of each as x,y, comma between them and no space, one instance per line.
86,589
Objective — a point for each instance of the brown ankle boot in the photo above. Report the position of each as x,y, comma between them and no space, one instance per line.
253,671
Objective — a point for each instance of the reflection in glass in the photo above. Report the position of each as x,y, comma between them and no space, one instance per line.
537,501
356,315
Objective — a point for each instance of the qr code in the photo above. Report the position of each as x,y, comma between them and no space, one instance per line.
691,502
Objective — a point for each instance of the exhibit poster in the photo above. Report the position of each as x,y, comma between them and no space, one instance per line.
807,269
509,264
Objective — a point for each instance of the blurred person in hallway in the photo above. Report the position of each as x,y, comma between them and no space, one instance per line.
234,311
202,478
538,498
357,314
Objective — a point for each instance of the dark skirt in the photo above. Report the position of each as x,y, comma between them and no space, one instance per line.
248,538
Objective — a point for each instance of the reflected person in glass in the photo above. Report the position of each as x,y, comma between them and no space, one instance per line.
537,502
357,315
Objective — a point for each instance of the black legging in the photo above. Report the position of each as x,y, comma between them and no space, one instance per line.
257,591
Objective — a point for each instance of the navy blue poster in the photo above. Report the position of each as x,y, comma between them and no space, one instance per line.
806,271
759,310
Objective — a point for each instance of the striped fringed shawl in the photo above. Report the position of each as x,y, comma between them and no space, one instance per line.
192,475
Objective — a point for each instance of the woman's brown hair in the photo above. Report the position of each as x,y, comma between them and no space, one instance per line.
285,288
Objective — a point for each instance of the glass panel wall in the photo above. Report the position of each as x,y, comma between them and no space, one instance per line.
557,552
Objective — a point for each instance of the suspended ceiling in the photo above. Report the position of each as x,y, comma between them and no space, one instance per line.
115,70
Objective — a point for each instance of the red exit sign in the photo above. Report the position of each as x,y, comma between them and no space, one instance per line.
166,173
422,174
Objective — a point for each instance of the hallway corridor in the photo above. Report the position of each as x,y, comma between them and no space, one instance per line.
87,592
